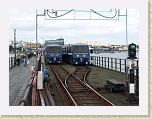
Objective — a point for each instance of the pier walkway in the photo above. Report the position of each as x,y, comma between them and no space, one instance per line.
19,78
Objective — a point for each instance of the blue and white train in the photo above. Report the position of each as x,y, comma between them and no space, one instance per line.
77,54
53,53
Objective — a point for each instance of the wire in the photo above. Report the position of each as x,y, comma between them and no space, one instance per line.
103,15
91,10
83,10
59,15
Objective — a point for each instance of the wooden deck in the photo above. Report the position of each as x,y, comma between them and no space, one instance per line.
19,78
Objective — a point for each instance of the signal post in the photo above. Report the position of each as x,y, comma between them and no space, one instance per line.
131,76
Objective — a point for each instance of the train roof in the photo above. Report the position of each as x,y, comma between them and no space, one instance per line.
78,44
59,41
52,45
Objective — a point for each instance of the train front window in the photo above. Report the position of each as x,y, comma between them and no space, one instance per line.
54,49
80,49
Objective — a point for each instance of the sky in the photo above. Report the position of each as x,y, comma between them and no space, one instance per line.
102,32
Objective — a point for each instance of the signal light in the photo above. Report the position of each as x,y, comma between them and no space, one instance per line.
132,51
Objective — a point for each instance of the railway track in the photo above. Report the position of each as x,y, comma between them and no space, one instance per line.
45,96
78,92
81,72
65,95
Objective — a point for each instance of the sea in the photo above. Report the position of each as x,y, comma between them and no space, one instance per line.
119,55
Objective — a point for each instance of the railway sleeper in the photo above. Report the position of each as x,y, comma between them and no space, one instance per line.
80,91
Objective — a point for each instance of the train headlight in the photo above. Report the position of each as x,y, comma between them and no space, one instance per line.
76,62
77,55
84,55
86,62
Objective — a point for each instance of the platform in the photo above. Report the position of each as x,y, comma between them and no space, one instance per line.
19,78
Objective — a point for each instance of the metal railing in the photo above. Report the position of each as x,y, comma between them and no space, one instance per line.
112,63
119,65
11,62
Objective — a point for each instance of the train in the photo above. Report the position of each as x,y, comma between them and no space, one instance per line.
76,54
53,53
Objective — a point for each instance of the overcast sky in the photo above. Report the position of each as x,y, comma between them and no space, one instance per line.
74,31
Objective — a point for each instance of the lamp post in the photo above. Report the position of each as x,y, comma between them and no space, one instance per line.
37,35
15,46
37,25
36,30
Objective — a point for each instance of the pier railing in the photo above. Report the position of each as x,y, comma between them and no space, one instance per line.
119,65
11,62
112,63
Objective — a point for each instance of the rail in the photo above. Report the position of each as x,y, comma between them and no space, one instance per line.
64,86
11,62
119,65
113,64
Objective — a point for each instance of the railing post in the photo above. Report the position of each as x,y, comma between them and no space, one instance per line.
105,61
11,61
99,61
125,66
108,62
120,65
115,64
111,63
102,61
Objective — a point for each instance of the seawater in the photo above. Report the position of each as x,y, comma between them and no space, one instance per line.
119,55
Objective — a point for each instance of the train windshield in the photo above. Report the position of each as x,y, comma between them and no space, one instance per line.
54,49
80,49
